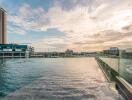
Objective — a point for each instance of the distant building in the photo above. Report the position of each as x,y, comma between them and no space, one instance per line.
69,52
128,50
127,53
3,39
14,51
112,51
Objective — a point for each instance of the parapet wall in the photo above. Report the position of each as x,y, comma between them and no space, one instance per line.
122,86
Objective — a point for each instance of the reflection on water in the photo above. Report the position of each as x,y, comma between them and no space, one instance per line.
15,73
2,77
62,79
73,75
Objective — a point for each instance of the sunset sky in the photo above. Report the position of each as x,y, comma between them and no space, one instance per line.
81,25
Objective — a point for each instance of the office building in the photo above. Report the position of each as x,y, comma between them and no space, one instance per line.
2,26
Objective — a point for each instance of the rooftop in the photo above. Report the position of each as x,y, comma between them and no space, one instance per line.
1,9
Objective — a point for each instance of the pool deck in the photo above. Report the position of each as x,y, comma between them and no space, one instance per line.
98,88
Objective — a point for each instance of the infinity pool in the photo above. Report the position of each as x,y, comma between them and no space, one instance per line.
63,78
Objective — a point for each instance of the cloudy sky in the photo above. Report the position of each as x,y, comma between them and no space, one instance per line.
81,25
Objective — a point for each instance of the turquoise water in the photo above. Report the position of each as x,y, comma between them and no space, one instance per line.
15,73
71,73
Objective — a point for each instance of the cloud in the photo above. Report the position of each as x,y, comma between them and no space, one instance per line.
38,20
106,39
87,24
127,28
52,44
16,30
28,18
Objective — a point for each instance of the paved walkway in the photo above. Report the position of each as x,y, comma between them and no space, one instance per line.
93,87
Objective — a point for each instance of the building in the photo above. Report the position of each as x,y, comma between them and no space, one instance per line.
112,51
69,53
127,53
3,37
14,51
11,50
128,50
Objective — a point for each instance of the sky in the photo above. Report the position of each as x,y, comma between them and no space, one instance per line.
81,25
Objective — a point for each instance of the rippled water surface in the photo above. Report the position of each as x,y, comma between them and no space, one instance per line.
53,79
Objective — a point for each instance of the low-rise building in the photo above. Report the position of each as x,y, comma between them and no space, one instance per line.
112,51
127,53
69,53
14,51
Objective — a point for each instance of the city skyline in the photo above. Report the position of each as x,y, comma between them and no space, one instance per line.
81,25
